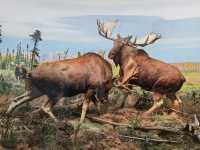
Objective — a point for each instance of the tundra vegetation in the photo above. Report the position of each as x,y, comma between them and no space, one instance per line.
119,126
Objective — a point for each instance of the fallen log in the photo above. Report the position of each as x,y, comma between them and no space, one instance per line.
142,128
148,139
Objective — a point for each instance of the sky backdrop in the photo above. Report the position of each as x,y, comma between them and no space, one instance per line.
72,24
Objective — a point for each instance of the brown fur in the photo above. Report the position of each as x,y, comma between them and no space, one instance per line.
137,67
89,74
73,76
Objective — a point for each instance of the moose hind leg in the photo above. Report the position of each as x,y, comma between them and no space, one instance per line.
28,96
27,93
177,104
158,101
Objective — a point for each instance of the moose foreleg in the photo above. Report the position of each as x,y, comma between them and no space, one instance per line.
128,74
47,108
83,114
97,103
85,106
84,110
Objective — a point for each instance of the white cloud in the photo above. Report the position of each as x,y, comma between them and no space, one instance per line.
20,17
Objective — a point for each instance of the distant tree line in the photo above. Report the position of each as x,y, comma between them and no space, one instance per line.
29,58
9,58
188,67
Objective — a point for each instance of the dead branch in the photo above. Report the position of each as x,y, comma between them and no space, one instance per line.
183,113
142,128
103,121
27,129
165,129
148,139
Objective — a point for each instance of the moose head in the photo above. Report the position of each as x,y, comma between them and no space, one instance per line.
120,42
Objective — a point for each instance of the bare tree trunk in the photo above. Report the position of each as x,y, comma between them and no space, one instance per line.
33,54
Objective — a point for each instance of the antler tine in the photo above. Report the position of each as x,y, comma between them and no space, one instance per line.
147,40
145,43
105,30
102,31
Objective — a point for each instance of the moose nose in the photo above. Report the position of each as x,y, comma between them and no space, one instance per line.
111,55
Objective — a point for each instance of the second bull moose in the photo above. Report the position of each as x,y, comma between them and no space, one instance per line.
137,67
89,74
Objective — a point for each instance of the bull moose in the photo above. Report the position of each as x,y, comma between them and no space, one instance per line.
137,67
89,74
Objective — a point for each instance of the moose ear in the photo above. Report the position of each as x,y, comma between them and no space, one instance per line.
127,39
118,36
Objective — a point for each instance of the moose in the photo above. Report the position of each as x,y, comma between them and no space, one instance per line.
137,67
89,74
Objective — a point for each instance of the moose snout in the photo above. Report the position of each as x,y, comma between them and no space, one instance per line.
111,55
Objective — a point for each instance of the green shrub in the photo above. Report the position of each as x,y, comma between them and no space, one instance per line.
145,100
5,87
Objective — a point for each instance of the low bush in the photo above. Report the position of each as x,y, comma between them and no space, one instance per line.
5,88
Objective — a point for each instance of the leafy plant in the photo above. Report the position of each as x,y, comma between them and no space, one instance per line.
5,87
145,101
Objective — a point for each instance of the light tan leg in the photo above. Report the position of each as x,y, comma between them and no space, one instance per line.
128,74
47,108
176,104
158,101
86,102
21,100
27,93
84,110
180,103
83,114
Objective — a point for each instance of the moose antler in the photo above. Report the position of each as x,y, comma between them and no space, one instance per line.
148,39
105,30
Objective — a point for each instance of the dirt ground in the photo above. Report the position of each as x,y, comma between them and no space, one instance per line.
28,129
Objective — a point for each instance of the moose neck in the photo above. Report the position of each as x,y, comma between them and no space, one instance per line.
122,55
